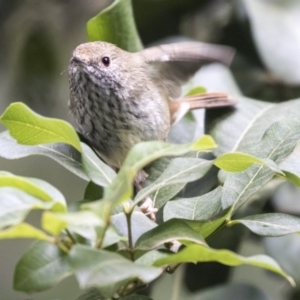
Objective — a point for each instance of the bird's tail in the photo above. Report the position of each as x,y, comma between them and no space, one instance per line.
207,100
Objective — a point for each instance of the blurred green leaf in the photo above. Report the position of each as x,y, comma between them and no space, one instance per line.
286,250
55,222
35,187
167,232
116,25
196,208
29,128
231,291
26,231
99,172
93,192
178,173
135,297
64,154
277,45
89,266
272,224
16,204
91,294
42,266
196,253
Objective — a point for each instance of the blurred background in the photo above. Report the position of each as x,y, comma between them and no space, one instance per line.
36,41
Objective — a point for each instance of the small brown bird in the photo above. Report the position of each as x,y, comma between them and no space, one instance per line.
120,99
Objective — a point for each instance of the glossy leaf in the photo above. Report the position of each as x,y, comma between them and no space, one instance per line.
196,253
97,171
172,230
208,227
115,24
272,224
138,157
29,128
237,162
64,154
277,143
196,208
55,222
26,231
16,204
42,266
179,172
243,127
140,224
89,266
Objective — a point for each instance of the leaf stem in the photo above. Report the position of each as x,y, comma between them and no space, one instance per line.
71,236
130,242
100,240
178,283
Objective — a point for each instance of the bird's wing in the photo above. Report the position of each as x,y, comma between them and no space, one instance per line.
176,63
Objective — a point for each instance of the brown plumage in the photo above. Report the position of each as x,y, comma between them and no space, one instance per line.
120,98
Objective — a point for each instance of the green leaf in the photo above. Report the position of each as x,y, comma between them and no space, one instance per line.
140,224
64,154
179,172
35,187
29,128
22,183
16,204
167,232
93,192
26,231
106,270
196,208
116,25
41,267
91,294
272,224
99,172
55,222
277,143
290,164
152,256
135,297
285,249
139,156
243,127
237,162
206,228
227,291
292,177
196,253
262,16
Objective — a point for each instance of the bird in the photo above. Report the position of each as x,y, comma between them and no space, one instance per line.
120,98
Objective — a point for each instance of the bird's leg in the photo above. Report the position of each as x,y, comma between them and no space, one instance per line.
148,206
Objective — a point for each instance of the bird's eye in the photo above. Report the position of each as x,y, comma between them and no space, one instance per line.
105,61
